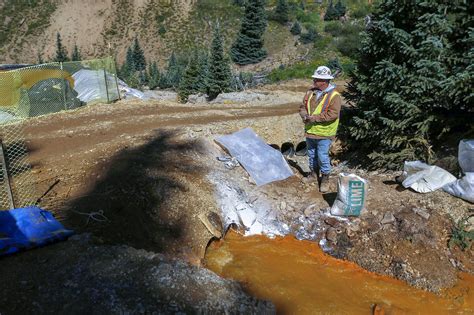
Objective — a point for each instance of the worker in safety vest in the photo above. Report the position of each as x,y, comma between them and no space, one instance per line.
320,114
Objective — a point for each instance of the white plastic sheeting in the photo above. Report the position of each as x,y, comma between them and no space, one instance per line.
462,188
91,87
128,92
466,155
425,178
262,162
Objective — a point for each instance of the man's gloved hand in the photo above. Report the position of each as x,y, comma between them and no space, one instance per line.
303,114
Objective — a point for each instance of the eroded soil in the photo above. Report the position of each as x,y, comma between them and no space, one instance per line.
137,173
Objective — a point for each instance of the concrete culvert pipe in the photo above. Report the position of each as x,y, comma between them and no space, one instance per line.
275,146
301,149
288,149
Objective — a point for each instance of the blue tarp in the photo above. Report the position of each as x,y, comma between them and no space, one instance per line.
27,228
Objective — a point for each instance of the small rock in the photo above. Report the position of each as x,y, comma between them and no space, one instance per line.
331,235
470,224
309,210
283,205
331,221
422,213
388,218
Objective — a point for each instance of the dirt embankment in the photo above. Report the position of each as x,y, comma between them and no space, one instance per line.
142,169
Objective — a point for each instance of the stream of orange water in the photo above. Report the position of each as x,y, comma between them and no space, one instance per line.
300,279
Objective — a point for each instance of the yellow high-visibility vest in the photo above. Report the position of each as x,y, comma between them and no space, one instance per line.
326,128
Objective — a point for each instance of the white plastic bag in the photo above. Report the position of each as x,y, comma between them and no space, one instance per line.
466,155
424,178
462,188
351,195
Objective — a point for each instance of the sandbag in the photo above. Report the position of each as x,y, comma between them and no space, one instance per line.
424,178
462,188
351,195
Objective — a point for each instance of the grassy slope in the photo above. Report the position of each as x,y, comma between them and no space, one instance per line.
21,20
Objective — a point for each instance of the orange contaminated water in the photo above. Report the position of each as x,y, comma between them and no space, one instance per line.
300,279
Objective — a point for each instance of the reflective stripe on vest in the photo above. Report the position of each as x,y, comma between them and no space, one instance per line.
326,128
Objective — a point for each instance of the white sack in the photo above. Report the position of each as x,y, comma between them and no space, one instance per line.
466,155
462,188
424,178
351,195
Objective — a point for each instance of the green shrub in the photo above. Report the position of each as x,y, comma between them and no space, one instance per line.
460,237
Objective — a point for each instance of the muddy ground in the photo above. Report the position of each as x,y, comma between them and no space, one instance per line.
143,175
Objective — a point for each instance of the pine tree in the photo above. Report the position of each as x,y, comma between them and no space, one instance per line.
413,81
138,56
153,76
189,82
310,36
219,70
130,61
340,9
239,3
296,28
61,52
76,55
203,74
248,47
331,12
281,13
174,71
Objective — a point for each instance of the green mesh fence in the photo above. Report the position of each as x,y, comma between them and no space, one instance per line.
40,90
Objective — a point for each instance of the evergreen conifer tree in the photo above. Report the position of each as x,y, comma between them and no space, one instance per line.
174,71
129,60
239,3
203,74
331,12
310,36
296,28
281,13
189,81
138,56
413,81
61,52
219,70
76,55
340,9
153,76
248,47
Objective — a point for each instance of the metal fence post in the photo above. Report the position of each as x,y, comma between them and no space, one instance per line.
64,85
106,86
6,176
116,81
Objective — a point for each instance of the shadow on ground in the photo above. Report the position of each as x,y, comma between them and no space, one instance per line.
131,202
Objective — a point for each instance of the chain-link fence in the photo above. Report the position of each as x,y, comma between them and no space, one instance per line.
39,90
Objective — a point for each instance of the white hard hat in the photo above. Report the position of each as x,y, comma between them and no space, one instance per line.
322,72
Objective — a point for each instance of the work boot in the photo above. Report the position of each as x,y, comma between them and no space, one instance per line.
311,178
324,185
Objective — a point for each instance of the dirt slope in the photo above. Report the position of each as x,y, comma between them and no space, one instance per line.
147,172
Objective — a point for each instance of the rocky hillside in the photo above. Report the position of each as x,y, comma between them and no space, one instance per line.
105,27
108,27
